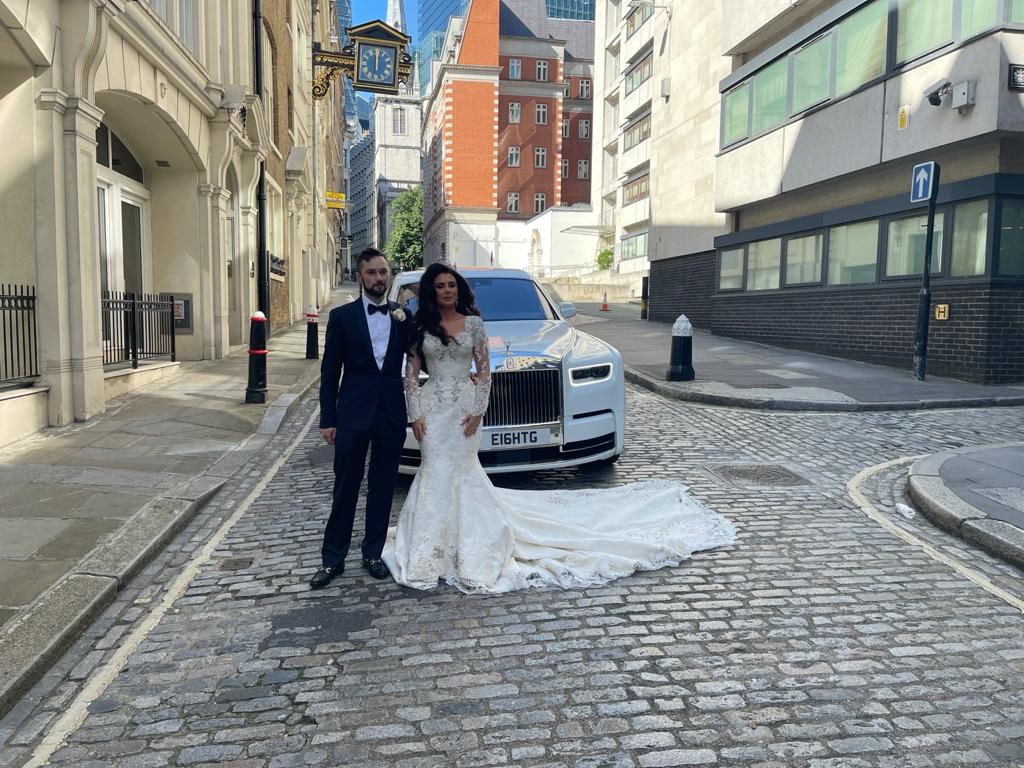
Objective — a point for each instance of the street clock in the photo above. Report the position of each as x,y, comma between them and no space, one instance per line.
375,60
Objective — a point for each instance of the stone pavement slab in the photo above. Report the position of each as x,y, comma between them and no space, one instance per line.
751,375
84,507
976,493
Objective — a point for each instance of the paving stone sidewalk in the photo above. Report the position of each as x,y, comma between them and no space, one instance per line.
83,507
746,374
977,494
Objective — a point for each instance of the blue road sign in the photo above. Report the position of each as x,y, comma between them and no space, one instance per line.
921,182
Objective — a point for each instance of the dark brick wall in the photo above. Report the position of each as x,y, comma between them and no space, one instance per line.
983,339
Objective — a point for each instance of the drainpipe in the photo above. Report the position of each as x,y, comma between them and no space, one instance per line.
262,257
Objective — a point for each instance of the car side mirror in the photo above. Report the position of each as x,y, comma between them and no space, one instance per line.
568,309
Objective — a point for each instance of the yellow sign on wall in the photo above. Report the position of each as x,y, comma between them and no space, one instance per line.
334,199
942,311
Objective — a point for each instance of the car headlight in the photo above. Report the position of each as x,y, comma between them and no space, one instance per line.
590,373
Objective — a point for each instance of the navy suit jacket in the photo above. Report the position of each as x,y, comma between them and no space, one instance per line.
365,388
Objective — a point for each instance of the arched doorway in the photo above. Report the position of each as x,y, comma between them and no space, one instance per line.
122,207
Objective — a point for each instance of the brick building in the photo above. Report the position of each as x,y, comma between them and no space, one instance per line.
507,128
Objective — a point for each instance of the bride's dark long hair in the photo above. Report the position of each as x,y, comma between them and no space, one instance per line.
428,316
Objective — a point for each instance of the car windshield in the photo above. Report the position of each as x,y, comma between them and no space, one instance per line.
499,298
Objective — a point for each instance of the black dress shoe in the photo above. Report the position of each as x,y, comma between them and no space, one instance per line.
376,568
323,577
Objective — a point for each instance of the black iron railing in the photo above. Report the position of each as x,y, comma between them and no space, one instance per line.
19,353
137,326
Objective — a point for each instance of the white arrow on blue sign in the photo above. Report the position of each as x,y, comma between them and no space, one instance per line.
921,182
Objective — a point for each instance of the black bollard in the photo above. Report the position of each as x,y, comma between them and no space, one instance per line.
256,390
312,339
680,366
644,296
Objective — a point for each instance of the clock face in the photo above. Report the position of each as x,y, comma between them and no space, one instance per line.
376,64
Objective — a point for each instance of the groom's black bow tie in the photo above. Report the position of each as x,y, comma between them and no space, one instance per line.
382,308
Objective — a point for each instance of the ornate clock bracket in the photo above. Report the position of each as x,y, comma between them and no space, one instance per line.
329,64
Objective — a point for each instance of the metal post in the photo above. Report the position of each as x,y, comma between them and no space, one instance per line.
312,339
174,353
680,365
256,390
133,315
925,299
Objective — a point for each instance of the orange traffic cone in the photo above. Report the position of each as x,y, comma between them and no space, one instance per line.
604,304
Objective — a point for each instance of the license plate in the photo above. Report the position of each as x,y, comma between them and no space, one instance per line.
510,439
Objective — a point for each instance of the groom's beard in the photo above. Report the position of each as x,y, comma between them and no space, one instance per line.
376,291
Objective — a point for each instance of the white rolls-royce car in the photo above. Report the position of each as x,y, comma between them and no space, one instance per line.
558,395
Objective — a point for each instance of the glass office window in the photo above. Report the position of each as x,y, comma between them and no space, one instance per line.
735,108
540,157
515,111
1011,238
640,73
977,15
540,202
636,190
852,253
515,69
541,114
513,156
763,258
803,259
904,253
921,26
542,71
811,67
769,97
638,132
512,202
1016,11
970,239
730,271
634,247
860,47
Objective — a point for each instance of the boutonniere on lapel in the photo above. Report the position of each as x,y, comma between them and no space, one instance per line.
399,314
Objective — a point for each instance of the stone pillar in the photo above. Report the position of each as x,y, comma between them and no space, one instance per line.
214,280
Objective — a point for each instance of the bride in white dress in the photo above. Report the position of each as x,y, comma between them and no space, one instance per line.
455,526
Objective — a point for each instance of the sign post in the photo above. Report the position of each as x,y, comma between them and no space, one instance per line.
924,185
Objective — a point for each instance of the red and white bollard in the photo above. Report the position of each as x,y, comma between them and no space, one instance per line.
256,390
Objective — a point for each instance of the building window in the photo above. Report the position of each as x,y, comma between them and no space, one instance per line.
636,19
398,125
803,259
542,71
633,247
904,253
735,111
978,15
540,202
730,270
640,73
540,157
515,111
542,114
512,204
585,88
860,47
565,127
112,153
581,10
565,88
637,133
1011,239
182,16
565,168
970,239
515,69
513,157
582,169
768,97
584,129
852,253
922,26
763,259
1016,11
811,67
636,190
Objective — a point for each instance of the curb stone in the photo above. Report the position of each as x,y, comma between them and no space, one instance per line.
781,404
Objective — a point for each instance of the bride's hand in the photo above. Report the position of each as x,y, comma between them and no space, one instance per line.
471,424
419,429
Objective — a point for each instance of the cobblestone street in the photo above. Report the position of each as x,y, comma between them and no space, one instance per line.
821,639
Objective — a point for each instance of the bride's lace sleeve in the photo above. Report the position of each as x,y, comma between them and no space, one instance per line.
413,364
482,357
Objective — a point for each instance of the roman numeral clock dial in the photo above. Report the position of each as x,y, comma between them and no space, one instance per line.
376,64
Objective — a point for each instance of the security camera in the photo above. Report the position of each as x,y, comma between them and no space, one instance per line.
936,91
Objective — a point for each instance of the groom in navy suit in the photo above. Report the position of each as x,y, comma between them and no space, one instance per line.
365,344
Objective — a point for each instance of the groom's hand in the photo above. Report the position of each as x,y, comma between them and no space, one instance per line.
328,434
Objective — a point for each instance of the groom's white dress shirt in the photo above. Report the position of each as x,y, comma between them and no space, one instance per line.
380,330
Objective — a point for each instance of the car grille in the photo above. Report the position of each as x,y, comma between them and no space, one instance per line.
524,397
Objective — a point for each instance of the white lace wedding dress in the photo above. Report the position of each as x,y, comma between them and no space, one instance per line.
457,527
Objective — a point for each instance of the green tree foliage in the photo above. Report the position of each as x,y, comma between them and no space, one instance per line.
404,247
605,258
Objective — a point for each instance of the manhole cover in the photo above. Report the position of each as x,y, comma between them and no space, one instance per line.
236,564
757,474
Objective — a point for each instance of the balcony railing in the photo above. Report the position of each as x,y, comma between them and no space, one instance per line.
19,353
136,327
